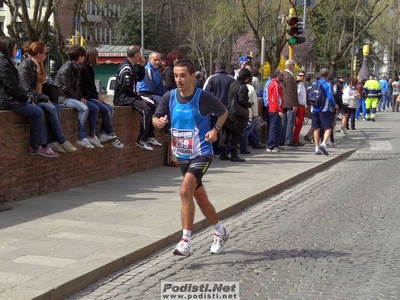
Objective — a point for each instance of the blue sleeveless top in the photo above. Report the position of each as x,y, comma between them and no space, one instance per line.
189,127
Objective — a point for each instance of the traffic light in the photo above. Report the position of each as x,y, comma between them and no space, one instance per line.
300,30
358,63
71,41
294,27
82,42
291,30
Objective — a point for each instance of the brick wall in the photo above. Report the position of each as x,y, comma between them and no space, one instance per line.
23,175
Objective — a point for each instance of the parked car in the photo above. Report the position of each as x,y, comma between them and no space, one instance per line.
99,87
111,86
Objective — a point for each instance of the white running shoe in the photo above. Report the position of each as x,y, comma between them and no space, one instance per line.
219,241
144,145
345,133
95,142
117,144
183,248
154,142
107,138
85,143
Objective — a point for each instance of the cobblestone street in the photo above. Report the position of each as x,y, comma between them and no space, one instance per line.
333,236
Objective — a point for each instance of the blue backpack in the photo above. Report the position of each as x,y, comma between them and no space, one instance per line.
316,94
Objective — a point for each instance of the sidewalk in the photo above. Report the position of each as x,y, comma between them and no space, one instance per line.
54,245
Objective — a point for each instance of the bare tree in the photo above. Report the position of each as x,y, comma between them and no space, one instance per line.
210,29
332,25
266,19
36,27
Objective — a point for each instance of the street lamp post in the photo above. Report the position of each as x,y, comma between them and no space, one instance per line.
394,44
142,29
352,68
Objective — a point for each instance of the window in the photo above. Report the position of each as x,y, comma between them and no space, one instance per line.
108,40
1,4
94,8
28,2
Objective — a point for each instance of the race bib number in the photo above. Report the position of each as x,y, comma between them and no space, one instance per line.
182,141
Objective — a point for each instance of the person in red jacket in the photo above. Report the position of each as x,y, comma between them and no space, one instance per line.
275,107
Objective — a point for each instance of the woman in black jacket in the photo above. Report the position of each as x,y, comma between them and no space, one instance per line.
32,74
168,73
90,93
13,97
235,125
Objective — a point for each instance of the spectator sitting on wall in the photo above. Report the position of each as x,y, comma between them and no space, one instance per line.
151,86
67,80
130,72
32,74
13,97
90,93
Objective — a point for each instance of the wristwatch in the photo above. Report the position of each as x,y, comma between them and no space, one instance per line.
218,128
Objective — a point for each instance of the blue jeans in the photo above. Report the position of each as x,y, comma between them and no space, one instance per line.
287,126
253,138
53,116
273,130
106,114
244,136
382,101
361,105
38,132
90,110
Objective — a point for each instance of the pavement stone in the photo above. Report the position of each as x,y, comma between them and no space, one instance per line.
72,238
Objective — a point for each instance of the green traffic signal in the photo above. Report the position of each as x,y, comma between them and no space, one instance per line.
292,40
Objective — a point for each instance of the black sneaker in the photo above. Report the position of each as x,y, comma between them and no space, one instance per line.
258,146
298,144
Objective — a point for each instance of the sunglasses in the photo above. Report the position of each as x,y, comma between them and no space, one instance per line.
301,75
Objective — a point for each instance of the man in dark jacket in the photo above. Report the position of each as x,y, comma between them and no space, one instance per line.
290,104
218,84
130,71
67,80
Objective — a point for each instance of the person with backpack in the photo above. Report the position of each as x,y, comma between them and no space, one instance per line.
321,98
